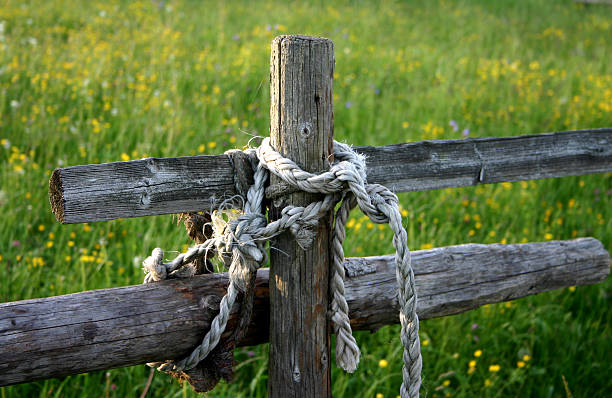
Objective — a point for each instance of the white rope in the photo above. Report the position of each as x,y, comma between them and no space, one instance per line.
246,236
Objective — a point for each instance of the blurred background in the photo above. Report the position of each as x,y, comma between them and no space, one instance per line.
101,81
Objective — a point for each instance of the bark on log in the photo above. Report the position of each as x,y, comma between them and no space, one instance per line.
109,328
301,129
178,185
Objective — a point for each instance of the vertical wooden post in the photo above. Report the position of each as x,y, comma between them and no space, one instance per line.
301,128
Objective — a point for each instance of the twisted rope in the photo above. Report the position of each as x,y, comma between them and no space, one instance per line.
245,239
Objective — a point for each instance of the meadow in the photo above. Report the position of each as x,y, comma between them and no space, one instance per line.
90,82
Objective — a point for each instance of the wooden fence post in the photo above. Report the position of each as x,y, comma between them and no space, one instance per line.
301,128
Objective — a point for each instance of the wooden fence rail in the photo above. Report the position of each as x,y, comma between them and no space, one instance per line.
174,185
109,328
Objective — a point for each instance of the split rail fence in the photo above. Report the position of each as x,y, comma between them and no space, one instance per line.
109,328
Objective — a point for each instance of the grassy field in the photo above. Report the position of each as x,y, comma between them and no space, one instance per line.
89,82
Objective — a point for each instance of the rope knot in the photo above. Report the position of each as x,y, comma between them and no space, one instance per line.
154,265
243,236
304,235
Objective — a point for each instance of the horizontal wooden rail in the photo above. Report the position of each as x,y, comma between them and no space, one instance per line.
174,185
109,328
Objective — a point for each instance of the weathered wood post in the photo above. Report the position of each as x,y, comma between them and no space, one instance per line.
301,128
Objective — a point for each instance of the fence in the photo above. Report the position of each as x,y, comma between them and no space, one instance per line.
109,328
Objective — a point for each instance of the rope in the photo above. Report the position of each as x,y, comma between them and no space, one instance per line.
245,238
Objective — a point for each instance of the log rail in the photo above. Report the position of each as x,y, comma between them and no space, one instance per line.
154,186
109,328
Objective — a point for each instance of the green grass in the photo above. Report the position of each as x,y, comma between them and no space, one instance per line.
90,82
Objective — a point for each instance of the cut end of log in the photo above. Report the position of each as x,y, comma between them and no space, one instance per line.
56,195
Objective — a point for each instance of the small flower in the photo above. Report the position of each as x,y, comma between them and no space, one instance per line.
474,326
454,125
41,227
487,383
446,383
425,343
526,358
477,353
494,368
472,363
15,243
520,364
348,104
466,132
383,363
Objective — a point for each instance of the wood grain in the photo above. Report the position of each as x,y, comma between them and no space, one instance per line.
174,185
109,328
301,129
